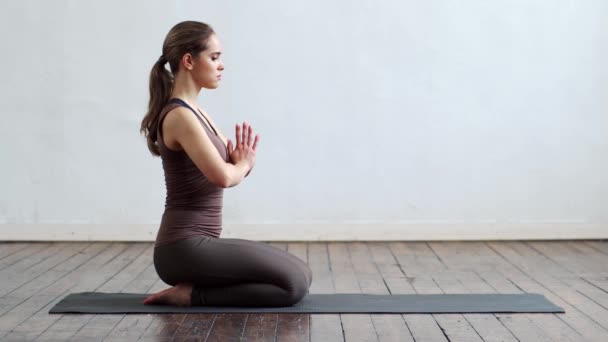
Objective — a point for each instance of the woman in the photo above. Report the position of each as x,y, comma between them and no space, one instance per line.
199,162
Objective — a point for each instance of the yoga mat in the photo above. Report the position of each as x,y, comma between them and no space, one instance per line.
105,303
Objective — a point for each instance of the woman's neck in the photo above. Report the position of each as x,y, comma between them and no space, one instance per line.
185,88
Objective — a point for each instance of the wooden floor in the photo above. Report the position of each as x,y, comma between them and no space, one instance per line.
571,274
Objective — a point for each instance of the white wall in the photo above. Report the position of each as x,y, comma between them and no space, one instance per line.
378,119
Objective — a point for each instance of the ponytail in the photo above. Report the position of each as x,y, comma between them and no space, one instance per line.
161,86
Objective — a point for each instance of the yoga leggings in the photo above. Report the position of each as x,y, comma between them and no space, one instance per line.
233,272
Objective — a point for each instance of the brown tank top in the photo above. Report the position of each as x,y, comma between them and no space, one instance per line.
193,206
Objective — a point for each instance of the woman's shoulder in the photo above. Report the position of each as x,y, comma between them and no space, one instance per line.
175,119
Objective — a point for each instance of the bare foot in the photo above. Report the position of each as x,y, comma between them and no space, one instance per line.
177,295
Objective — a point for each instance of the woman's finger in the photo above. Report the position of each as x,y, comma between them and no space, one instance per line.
238,135
255,142
244,133
229,146
249,136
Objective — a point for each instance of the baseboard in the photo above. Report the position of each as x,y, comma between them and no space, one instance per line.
317,232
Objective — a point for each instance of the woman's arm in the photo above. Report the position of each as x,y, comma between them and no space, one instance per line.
222,136
184,128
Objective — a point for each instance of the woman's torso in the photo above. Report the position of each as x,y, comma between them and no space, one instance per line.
193,205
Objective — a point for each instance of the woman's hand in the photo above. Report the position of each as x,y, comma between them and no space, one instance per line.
246,145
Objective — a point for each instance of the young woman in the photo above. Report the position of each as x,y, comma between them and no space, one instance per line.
199,162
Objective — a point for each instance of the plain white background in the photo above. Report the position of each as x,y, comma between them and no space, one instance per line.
378,119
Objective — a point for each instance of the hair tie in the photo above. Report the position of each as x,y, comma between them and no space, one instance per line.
162,59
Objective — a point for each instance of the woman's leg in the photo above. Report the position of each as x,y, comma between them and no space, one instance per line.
281,253
233,272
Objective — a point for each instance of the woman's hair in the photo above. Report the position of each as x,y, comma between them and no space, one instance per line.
185,37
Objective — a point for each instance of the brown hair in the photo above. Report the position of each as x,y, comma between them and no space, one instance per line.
185,37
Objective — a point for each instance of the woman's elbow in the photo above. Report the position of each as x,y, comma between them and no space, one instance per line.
221,181
225,184
224,181
224,178
218,178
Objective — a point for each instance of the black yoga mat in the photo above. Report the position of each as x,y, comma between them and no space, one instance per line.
98,302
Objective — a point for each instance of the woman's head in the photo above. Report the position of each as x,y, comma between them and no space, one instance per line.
191,49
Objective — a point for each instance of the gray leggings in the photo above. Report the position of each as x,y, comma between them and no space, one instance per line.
233,272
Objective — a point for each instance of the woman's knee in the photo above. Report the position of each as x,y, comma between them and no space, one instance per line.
306,271
297,289
309,273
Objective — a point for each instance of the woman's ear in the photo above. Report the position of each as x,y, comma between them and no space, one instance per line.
187,61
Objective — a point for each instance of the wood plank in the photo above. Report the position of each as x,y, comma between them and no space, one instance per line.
409,260
589,291
15,278
132,326
158,327
21,295
597,260
8,248
559,253
462,261
453,326
59,271
550,324
523,328
32,299
589,307
34,259
293,327
195,327
357,327
599,245
128,266
261,327
536,263
163,327
392,274
323,327
601,283
504,326
424,327
490,328
576,319
228,327
31,317
388,327
88,326
572,326
25,256
10,323
42,320
318,261
415,259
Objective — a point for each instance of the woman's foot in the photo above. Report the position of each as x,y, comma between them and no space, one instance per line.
177,295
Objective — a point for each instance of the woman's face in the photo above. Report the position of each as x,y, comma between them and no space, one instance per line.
208,67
